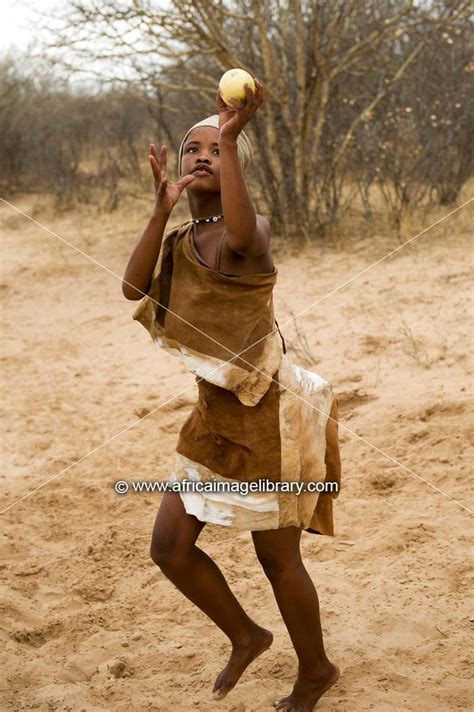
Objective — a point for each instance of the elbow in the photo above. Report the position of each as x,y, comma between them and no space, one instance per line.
127,292
131,293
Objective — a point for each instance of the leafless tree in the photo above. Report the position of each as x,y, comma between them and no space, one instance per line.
331,71
76,146
419,141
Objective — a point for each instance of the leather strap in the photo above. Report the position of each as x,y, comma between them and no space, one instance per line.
283,340
218,254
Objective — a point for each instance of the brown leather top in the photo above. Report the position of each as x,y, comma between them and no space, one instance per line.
218,254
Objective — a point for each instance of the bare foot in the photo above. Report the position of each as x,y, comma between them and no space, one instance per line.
241,657
306,692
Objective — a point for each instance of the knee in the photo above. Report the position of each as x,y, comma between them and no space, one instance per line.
278,566
166,553
156,553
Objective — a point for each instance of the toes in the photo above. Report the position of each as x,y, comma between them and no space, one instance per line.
216,692
221,691
286,704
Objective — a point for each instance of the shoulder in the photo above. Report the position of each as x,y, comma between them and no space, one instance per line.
179,229
174,235
260,243
263,226
263,221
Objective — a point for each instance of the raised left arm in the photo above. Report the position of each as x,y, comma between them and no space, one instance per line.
247,233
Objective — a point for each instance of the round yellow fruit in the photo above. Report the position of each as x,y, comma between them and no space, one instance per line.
232,83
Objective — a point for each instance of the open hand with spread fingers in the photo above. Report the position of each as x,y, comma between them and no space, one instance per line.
167,193
233,120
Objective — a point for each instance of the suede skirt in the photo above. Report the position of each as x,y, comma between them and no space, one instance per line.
287,436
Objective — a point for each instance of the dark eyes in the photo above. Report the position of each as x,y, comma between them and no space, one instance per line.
191,148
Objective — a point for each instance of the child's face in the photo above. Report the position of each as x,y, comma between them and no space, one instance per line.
201,149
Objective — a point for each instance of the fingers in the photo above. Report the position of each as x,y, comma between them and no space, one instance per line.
258,90
184,181
154,152
155,168
162,187
158,163
250,96
163,159
220,101
253,99
235,104
239,106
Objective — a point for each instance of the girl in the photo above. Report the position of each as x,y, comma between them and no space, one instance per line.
209,284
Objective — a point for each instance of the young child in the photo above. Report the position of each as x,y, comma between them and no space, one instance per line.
209,284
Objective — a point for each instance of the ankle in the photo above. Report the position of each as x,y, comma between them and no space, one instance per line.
317,672
246,636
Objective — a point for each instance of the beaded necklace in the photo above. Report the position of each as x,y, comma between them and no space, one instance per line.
213,218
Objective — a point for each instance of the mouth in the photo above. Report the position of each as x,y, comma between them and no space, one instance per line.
201,172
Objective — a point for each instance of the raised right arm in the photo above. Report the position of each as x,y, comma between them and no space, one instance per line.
140,267
144,257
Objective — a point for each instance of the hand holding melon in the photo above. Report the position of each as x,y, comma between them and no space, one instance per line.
231,85
238,98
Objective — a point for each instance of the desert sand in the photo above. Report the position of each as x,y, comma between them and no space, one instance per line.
89,622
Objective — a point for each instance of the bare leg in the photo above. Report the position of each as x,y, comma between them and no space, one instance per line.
199,578
278,550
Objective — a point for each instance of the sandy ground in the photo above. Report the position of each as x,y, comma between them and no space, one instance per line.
89,622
